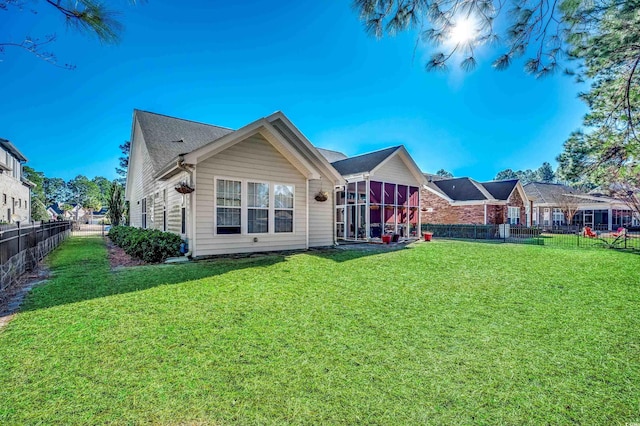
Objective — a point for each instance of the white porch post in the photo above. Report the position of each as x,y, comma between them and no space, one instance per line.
307,197
610,218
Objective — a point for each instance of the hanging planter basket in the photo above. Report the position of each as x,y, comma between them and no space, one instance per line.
388,208
322,196
375,207
184,188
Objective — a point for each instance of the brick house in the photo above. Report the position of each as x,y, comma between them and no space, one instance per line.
466,201
15,190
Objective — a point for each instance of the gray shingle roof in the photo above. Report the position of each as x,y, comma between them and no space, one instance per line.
546,192
460,189
162,133
331,156
500,189
363,163
12,150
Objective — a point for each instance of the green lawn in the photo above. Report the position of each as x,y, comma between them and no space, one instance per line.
440,333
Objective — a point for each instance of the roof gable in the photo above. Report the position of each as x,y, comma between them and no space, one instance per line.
8,146
168,137
363,163
330,155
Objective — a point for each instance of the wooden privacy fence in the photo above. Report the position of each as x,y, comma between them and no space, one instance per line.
23,246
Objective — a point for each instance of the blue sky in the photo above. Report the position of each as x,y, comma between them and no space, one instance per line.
229,63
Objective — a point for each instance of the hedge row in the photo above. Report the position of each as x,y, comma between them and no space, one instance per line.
149,245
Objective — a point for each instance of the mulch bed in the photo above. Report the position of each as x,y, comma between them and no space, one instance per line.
118,258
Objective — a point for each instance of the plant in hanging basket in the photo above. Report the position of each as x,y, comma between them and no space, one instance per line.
375,207
322,196
184,188
388,207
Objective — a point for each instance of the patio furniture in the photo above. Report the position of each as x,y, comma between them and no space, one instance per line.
588,232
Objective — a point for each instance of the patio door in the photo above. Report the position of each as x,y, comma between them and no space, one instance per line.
588,218
352,223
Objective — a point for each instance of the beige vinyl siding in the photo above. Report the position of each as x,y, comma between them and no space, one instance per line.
321,215
253,159
396,171
144,185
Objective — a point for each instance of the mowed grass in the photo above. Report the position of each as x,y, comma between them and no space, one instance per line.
441,333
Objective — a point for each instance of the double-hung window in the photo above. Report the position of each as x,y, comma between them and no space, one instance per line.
283,208
229,206
514,215
246,207
257,208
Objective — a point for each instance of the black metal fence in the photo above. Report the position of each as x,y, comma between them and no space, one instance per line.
621,238
79,229
15,238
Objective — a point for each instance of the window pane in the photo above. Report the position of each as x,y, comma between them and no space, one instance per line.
389,193
283,196
258,195
257,221
362,192
228,216
375,192
414,196
339,198
228,193
284,221
402,195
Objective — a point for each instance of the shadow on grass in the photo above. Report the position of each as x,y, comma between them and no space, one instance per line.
81,271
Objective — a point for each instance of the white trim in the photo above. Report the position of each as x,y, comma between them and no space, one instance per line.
280,115
191,229
420,179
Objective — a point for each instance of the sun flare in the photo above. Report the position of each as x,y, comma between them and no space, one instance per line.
463,31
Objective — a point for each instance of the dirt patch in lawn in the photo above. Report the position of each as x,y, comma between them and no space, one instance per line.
118,258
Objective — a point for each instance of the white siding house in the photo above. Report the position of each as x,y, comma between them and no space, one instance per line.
253,188
15,190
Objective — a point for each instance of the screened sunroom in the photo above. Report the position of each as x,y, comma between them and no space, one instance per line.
368,209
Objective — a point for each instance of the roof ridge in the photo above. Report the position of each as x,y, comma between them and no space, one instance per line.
182,119
393,148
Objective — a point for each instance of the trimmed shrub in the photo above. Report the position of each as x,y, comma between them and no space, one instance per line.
150,245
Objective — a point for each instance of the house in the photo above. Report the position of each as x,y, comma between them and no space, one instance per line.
76,213
230,191
15,189
552,201
381,195
467,201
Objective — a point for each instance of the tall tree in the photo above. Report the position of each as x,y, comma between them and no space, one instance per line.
116,203
83,190
545,173
123,162
104,186
444,173
85,16
55,191
38,199
506,175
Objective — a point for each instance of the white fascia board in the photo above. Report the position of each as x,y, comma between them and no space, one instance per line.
408,161
319,157
219,145
290,152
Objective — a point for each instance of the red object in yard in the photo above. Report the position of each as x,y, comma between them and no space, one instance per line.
386,239
427,236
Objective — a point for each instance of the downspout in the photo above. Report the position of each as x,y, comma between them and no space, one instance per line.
485,213
308,198
189,169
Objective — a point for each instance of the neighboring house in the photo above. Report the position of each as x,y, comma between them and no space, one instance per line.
77,213
594,210
466,201
15,189
230,191
382,195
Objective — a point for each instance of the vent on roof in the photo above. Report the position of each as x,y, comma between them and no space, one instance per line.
179,141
